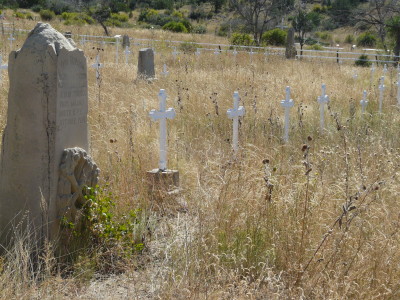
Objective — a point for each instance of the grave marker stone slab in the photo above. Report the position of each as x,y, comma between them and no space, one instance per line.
290,47
46,131
146,64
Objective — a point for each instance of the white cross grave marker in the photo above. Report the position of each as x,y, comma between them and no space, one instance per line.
127,52
372,72
83,40
398,89
234,52
216,52
165,72
117,38
2,67
355,76
381,92
97,65
197,52
234,113
163,114
364,102
11,39
385,69
175,53
322,100
287,104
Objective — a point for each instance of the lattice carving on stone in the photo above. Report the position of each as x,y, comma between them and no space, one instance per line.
77,169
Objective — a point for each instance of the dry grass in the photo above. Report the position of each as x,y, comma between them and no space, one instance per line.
315,218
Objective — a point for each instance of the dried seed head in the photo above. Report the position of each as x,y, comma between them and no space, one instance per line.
309,138
304,148
265,161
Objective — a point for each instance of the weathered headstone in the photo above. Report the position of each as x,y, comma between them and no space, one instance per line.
125,41
146,64
44,160
290,47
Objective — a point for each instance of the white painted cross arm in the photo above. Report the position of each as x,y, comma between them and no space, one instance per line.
364,101
234,113
167,114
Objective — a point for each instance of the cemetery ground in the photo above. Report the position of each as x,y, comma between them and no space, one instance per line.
316,217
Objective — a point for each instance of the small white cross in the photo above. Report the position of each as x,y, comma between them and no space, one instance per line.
197,51
381,92
175,53
117,38
372,72
165,72
251,52
83,40
385,69
11,39
234,113
398,89
97,65
234,52
355,76
322,100
2,67
287,104
364,102
216,52
163,114
127,52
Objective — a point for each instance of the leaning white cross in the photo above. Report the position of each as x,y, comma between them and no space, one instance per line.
398,89
322,100
234,113
381,91
2,67
364,102
163,114
97,65
127,52
165,72
11,39
117,38
287,104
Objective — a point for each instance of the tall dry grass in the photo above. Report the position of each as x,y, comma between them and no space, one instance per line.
315,218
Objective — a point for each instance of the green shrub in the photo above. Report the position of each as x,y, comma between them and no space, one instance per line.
19,15
36,8
76,18
325,36
175,27
362,61
200,29
187,47
241,39
349,39
366,39
47,15
318,8
275,37
315,47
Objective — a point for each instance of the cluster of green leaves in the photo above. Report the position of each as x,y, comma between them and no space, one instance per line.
76,18
366,39
47,15
362,61
100,227
275,37
23,15
118,20
169,20
241,39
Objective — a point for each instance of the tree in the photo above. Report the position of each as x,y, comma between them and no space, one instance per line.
304,22
384,16
100,12
258,15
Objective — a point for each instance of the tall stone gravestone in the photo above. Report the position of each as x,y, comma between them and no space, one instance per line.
290,47
146,64
44,160
125,41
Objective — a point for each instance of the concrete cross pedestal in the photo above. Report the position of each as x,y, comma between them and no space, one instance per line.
2,67
127,52
364,102
164,71
97,65
11,39
287,104
163,179
322,100
234,113
381,93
